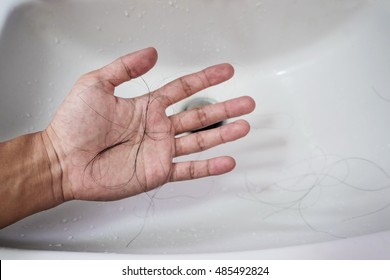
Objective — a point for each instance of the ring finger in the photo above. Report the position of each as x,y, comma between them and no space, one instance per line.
203,140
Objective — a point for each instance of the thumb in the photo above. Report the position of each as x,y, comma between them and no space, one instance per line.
124,68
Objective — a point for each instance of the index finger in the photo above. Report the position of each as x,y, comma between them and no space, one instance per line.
188,85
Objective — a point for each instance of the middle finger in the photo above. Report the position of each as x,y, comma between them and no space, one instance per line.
205,116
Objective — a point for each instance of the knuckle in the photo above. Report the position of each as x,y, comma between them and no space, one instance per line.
202,116
186,86
192,170
179,126
201,142
127,69
178,147
222,136
205,79
208,169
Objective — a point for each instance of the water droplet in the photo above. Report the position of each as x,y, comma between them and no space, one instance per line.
119,39
121,209
259,4
70,237
66,228
171,3
55,245
27,115
74,220
217,50
98,28
22,235
50,99
126,13
56,40
64,221
140,15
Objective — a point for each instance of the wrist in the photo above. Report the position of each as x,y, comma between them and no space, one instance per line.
54,166
29,178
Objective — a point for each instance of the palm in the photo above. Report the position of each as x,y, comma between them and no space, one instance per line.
110,148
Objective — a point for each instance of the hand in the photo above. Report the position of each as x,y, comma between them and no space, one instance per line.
110,148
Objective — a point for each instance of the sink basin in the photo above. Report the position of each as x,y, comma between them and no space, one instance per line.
312,178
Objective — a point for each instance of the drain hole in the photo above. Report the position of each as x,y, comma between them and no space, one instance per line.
201,102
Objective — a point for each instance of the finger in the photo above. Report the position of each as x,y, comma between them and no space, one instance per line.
204,140
204,116
198,169
188,85
123,69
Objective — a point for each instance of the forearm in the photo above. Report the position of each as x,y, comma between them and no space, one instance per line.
28,178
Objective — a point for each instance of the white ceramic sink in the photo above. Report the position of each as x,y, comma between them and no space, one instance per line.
313,176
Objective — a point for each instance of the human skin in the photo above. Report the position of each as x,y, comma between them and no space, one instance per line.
102,147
